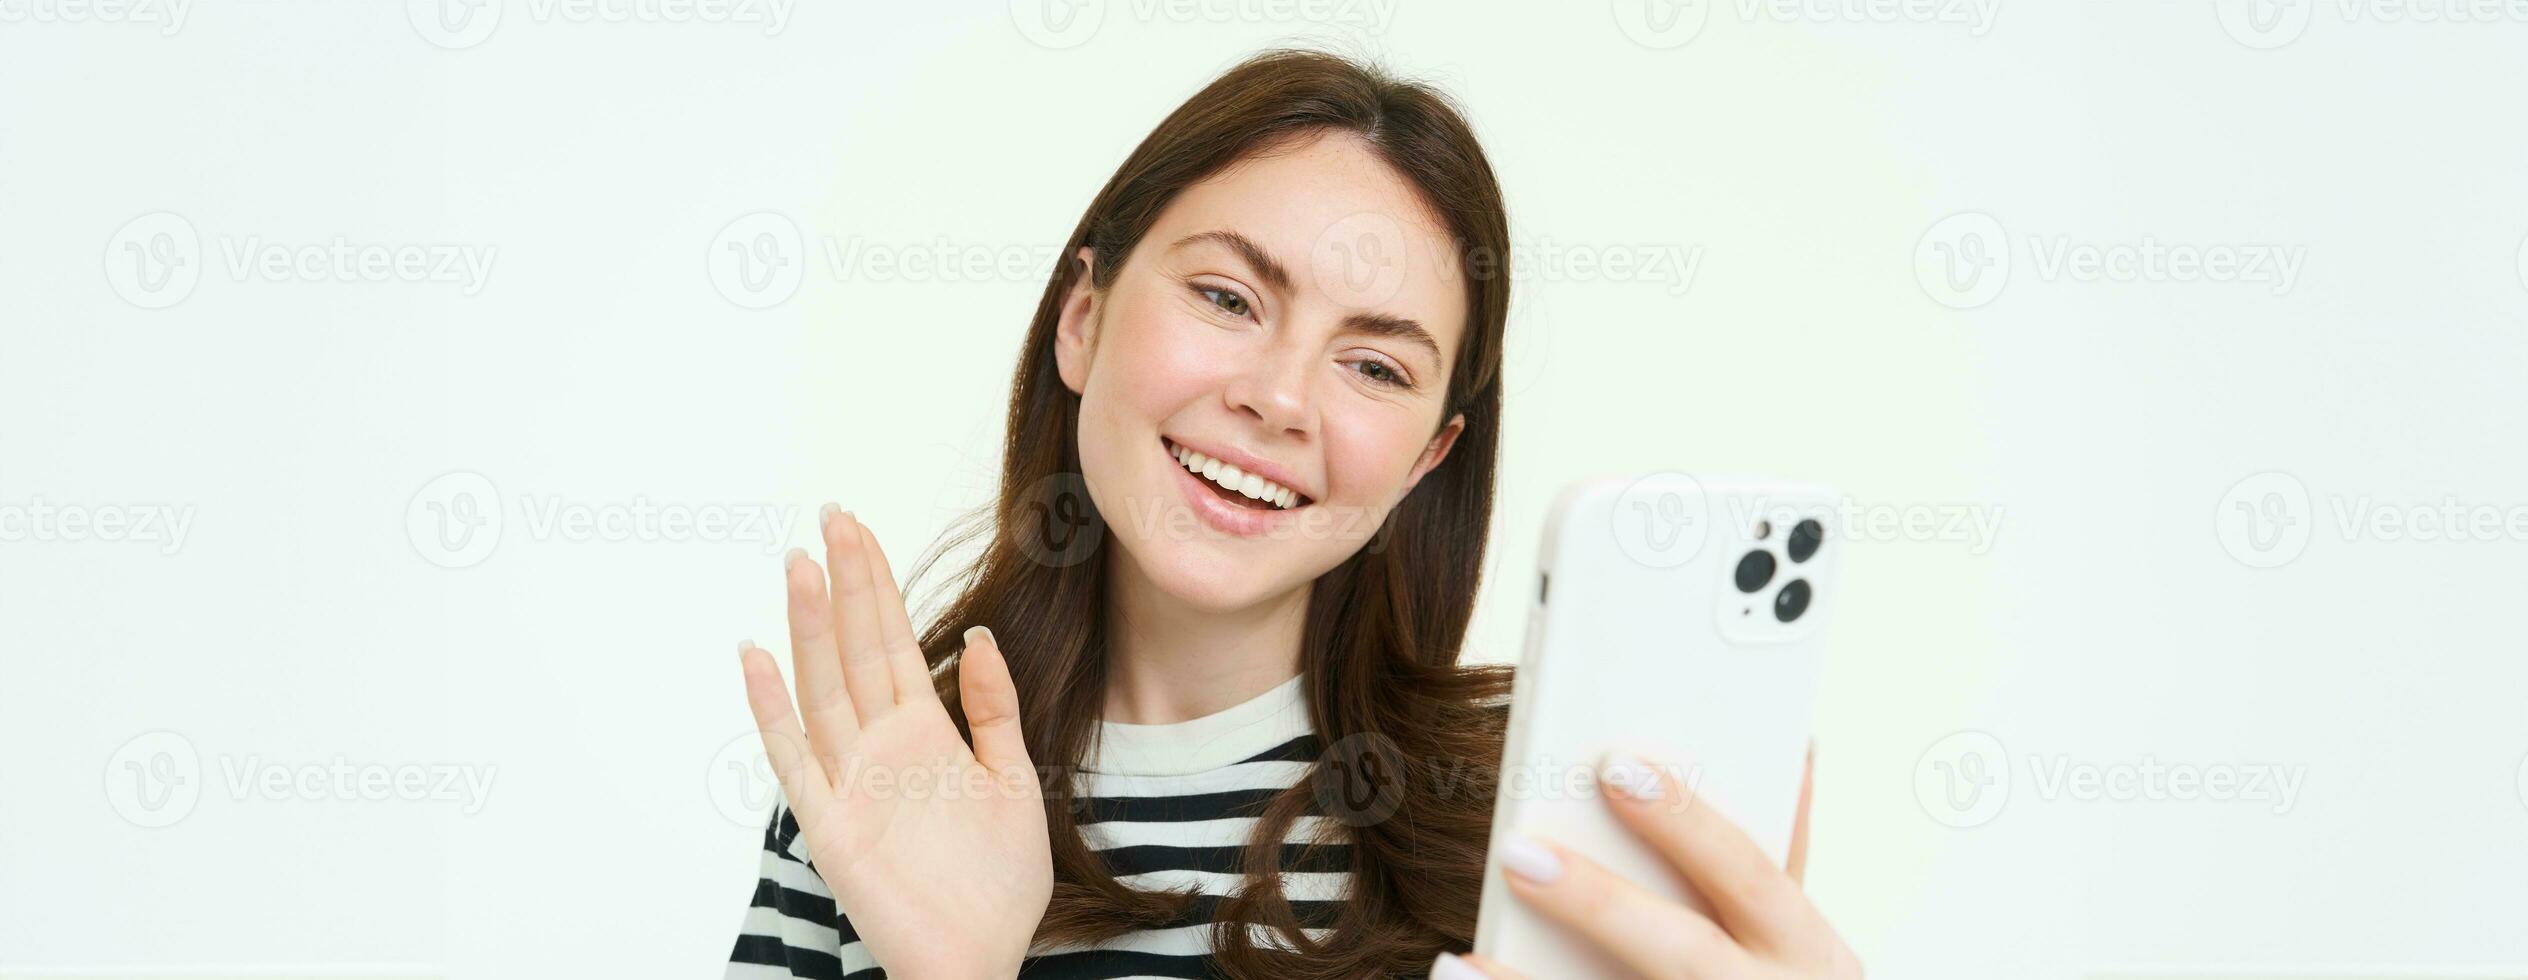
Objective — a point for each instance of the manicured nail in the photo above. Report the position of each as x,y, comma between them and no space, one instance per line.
1449,967
1626,775
972,630
825,515
790,558
743,646
1530,860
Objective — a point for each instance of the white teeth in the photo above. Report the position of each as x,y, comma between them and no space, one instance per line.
1230,477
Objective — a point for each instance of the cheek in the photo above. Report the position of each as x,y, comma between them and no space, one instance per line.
1368,454
1152,362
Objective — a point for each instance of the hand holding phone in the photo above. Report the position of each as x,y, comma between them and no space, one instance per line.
1653,791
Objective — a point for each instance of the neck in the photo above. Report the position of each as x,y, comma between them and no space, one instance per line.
1168,661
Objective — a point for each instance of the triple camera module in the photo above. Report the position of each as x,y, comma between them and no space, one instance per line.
1758,568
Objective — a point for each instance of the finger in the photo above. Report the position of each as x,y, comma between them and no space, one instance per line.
855,602
1797,865
1658,937
832,725
910,671
803,779
991,703
1468,966
1747,891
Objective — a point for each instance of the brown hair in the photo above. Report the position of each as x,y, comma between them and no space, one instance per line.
1383,630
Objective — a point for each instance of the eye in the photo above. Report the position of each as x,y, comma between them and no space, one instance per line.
1228,302
1382,374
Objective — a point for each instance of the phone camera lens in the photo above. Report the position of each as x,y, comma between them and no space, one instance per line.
1755,570
1805,537
1789,603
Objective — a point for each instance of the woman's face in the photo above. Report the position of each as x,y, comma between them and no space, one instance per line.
1293,317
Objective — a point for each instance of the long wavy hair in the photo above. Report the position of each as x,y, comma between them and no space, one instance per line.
1383,629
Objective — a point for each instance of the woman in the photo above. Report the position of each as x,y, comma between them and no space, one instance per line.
1245,488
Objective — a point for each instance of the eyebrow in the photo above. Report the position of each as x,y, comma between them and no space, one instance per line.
1277,276
1274,274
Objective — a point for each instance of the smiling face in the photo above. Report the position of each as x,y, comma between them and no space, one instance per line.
1294,318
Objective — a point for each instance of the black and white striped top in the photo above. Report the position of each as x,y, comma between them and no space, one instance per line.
1168,806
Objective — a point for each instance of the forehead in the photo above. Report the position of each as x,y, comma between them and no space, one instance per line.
1354,233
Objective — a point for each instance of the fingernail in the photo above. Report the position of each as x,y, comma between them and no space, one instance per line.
1625,774
1530,860
790,558
972,630
825,515
743,646
1449,967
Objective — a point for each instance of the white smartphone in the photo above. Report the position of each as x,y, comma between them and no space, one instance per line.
1678,617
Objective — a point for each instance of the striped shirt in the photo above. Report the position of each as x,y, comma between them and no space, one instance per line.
1168,807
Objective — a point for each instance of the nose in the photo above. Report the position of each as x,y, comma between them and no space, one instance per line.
1273,388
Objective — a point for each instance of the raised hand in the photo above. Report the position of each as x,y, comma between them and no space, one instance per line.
936,852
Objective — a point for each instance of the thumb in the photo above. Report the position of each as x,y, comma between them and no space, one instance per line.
991,703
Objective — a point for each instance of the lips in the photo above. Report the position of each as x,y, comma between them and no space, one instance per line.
1244,476
1224,510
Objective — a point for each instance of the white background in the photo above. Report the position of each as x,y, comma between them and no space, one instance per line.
1800,154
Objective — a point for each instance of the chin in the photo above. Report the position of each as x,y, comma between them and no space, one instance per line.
1202,576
